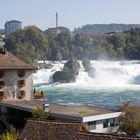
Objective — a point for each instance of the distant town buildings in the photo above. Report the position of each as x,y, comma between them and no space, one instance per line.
57,30
11,26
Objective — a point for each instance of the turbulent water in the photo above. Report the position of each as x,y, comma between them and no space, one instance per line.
114,82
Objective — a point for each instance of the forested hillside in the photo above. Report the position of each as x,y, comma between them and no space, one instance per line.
105,28
31,43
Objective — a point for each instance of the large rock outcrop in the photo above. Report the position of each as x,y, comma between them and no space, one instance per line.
86,64
69,72
90,70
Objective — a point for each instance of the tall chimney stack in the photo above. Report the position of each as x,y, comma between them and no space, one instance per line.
56,19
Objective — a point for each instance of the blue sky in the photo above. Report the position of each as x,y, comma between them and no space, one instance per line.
72,13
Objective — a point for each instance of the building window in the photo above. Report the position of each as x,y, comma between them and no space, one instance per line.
1,95
21,73
22,94
112,122
92,125
117,122
21,83
2,84
105,123
2,73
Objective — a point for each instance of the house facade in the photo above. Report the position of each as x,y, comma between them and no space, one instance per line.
104,123
15,77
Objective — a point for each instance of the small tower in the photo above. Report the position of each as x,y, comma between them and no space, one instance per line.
57,31
56,19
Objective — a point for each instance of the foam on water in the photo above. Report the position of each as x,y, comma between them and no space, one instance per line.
107,74
113,80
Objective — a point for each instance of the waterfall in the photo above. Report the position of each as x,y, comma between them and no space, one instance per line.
107,73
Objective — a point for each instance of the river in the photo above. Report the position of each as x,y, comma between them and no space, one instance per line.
114,82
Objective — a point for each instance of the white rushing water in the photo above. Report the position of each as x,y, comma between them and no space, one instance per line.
107,73
114,80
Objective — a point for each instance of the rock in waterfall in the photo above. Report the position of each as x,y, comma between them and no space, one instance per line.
69,72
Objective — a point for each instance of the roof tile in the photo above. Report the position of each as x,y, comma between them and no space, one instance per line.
9,61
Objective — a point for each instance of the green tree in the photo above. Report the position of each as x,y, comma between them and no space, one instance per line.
130,119
58,56
118,42
31,43
28,44
132,49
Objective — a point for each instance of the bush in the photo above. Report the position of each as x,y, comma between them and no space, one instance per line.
130,119
12,135
40,114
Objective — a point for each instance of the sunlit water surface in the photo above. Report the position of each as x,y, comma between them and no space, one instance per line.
114,82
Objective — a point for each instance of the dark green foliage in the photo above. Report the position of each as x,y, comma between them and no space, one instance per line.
28,44
105,28
40,114
130,119
58,56
58,43
31,43
132,48
125,45
118,42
